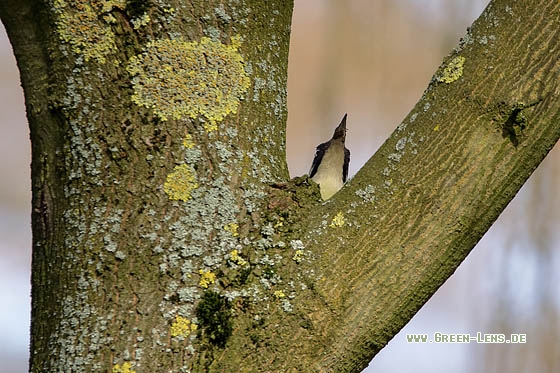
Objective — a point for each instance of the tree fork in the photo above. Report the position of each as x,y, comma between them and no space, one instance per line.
158,243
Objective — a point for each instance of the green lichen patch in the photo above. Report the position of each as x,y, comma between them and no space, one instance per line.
79,23
177,79
214,316
180,183
453,70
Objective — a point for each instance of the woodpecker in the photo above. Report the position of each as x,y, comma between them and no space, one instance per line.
330,165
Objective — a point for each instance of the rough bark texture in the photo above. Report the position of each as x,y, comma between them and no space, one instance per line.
157,128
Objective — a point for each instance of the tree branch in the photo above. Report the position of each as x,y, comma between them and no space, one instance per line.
413,213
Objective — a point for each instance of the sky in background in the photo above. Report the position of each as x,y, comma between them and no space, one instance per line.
15,220
371,59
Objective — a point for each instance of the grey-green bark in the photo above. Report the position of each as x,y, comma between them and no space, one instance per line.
159,244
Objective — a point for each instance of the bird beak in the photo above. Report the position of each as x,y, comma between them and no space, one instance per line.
340,131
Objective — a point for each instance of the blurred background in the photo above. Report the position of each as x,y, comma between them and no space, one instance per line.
373,60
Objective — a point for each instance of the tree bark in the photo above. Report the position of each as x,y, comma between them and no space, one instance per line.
166,236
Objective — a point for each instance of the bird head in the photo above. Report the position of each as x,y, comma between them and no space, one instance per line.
340,131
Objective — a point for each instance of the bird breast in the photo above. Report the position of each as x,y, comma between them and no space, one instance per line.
329,172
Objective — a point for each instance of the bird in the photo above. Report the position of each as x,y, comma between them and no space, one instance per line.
330,165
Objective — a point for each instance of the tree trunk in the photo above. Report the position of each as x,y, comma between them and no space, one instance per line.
166,234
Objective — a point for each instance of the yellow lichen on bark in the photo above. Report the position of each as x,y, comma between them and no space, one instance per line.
188,142
337,221
180,183
176,78
124,368
182,327
453,70
234,257
207,278
86,26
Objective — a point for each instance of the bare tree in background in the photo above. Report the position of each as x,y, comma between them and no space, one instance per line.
166,233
